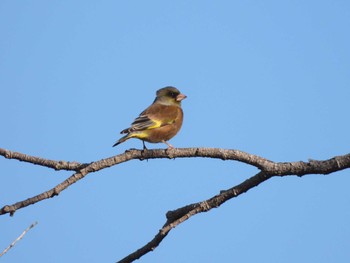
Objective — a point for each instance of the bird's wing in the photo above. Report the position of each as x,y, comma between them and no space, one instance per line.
155,116
144,122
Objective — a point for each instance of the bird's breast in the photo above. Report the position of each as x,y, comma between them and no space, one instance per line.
166,132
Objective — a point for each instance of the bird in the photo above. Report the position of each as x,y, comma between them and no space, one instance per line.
160,122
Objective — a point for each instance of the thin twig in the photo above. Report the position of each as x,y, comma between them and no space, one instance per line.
57,165
18,239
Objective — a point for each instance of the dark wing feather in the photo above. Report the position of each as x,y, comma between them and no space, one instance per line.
155,116
143,122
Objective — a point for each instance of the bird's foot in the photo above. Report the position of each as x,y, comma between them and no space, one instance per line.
169,151
144,150
169,145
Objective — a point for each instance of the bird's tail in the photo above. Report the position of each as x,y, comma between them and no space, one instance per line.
122,139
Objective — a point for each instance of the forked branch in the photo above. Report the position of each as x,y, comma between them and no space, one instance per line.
267,169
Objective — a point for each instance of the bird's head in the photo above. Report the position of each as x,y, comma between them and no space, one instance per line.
169,96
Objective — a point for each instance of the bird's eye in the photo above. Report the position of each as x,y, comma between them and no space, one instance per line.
172,94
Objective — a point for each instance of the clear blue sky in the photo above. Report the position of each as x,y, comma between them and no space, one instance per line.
267,77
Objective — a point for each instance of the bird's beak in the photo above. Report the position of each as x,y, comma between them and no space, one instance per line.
180,97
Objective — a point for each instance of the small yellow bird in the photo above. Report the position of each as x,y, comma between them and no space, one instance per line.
159,122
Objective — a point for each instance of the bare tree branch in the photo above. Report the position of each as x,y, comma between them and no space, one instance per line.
174,218
18,238
57,165
293,168
182,214
267,169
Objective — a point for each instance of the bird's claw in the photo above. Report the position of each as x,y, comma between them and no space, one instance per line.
168,152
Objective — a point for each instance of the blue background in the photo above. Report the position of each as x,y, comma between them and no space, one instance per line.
266,77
